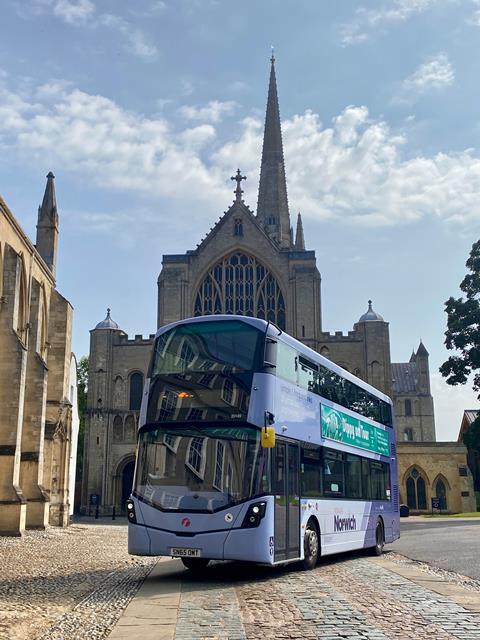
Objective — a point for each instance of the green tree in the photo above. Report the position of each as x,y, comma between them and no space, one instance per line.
82,386
463,336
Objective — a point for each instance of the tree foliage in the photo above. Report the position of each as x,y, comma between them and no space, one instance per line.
471,437
82,387
463,328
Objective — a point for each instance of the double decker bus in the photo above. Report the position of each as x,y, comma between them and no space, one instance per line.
254,447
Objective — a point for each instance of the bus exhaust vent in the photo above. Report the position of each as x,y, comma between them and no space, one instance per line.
393,450
395,497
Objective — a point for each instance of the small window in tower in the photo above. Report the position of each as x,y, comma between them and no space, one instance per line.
271,220
238,227
408,407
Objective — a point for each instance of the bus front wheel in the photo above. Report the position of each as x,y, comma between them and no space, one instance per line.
195,564
377,550
311,546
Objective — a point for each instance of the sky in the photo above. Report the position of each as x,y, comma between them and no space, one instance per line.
143,110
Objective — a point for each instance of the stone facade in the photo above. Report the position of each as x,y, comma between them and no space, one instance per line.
35,381
251,264
434,469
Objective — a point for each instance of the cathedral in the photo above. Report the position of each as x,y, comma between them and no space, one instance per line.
254,263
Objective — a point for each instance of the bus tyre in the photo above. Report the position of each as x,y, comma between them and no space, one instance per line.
311,546
195,564
377,550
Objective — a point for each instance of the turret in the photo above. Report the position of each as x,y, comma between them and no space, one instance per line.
47,226
421,358
299,237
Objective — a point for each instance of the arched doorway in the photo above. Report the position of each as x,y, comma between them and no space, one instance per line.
127,482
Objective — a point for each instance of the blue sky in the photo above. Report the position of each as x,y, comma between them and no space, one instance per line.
143,110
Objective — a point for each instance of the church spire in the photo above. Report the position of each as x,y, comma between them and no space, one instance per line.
299,238
272,207
47,225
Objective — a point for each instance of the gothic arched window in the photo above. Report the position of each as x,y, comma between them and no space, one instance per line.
136,389
416,490
441,492
240,284
408,435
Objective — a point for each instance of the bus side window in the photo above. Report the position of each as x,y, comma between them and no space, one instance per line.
333,474
380,480
366,481
286,362
353,476
311,471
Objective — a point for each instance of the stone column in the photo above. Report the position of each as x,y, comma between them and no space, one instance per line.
13,361
31,459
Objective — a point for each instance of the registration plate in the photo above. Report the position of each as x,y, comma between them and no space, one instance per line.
185,553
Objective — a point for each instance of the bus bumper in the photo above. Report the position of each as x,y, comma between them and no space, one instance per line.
248,544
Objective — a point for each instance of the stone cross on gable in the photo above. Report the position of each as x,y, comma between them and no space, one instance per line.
238,179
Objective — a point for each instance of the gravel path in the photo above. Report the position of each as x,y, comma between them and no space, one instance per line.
45,575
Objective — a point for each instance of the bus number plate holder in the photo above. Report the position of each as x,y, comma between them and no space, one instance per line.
177,552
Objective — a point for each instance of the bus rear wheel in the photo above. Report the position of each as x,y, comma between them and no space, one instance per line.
195,564
377,550
311,547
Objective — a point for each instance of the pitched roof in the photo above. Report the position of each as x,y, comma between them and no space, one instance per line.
405,377
421,351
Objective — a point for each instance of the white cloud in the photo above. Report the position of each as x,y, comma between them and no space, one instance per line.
368,20
213,112
354,170
73,12
70,11
136,41
435,73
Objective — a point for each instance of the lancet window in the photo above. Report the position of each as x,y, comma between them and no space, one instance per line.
241,284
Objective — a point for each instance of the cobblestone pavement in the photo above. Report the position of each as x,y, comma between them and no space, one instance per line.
348,598
78,583
46,574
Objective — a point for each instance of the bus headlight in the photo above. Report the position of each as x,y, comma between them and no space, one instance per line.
131,512
254,515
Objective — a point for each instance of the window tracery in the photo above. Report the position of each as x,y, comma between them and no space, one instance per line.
241,284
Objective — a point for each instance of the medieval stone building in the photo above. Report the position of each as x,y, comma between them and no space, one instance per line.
250,263
37,377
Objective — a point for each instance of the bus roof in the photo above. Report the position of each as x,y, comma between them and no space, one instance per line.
276,332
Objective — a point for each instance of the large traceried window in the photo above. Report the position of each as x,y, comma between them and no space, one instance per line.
240,284
416,490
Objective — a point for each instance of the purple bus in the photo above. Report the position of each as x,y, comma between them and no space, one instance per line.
254,447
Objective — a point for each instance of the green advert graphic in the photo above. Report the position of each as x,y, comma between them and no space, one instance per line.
341,427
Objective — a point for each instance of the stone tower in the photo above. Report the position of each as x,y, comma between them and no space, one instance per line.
116,375
47,226
413,399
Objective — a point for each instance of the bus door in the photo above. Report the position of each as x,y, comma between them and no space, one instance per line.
286,489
